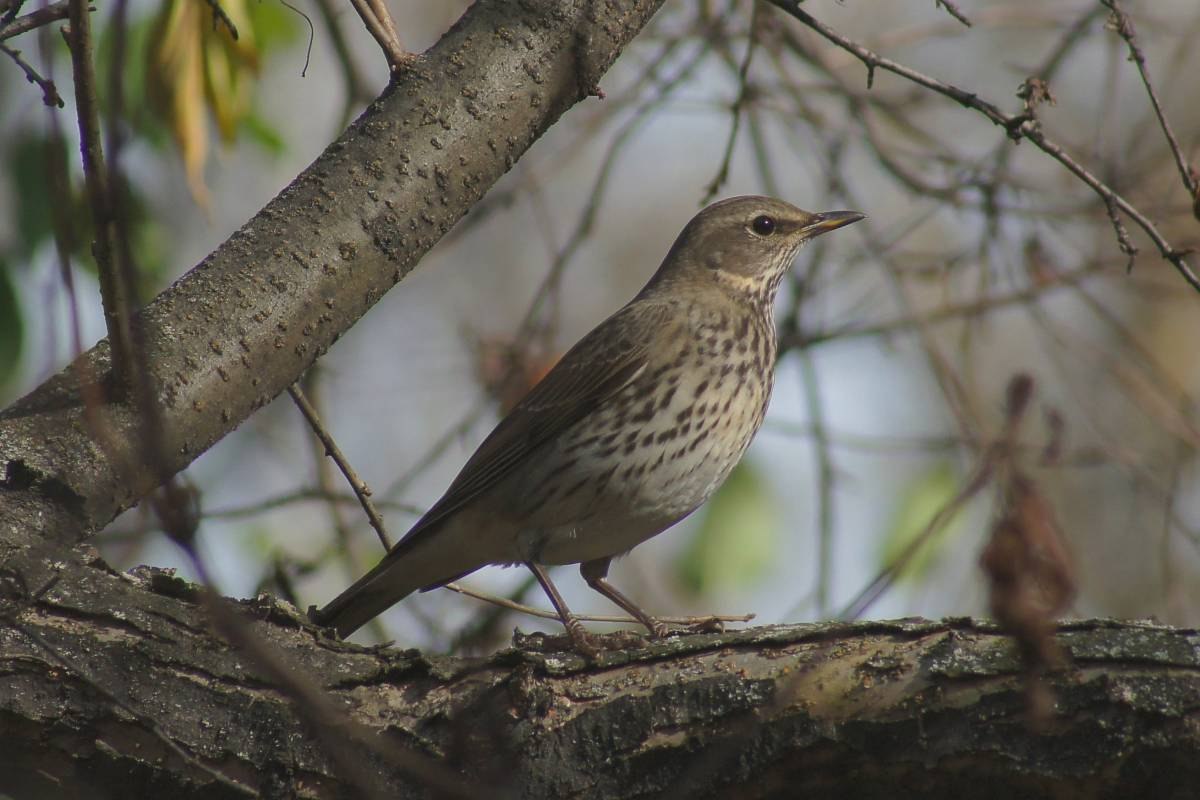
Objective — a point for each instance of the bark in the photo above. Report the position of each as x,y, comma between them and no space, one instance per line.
106,668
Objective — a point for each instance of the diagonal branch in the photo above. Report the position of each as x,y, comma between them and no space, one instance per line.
35,19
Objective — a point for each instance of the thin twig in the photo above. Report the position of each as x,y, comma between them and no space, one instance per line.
947,313
886,576
437,449
50,95
1019,126
397,54
735,111
343,544
115,292
953,10
537,612
825,482
36,19
361,490
1125,29
222,16
383,30
600,185
304,496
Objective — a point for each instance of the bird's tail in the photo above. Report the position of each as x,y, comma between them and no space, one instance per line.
425,563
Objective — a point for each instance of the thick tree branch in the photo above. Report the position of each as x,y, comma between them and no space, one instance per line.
875,709
248,321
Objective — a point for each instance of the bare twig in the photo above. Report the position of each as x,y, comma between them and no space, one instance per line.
948,312
735,111
995,456
886,576
600,186
382,28
50,95
953,10
1125,29
438,448
537,612
361,490
35,19
1018,126
115,291
825,482
303,496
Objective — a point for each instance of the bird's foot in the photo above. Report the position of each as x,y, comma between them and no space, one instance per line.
658,629
584,643
709,625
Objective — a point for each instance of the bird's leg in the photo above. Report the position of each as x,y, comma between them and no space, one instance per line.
579,637
596,573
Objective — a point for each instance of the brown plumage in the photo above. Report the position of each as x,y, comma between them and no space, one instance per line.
631,431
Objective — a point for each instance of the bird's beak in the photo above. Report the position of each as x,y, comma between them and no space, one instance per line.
828,221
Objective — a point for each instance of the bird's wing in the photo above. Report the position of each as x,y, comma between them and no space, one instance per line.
601,364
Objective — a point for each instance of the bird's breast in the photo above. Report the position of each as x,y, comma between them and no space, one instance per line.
657,449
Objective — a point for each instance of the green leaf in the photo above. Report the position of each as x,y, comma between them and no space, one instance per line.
12,329
31,190
276,25
264,134
737,540
145,125
921,501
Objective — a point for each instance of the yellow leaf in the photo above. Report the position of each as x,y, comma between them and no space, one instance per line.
230,70
197,67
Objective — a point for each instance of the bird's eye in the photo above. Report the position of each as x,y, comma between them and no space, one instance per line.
763,225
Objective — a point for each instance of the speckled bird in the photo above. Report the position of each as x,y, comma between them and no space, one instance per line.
633,429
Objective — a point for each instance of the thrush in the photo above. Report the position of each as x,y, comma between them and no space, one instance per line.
633,429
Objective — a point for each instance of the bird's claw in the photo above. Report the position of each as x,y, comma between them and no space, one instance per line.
709,625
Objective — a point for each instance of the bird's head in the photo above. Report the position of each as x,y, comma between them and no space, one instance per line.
746,244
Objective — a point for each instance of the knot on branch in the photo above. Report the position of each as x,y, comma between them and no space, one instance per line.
1032,92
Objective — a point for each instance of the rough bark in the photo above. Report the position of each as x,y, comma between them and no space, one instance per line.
105,668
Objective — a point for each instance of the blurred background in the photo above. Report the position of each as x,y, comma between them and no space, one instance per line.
981,259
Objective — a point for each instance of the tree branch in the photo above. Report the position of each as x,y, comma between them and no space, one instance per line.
35,19
827,710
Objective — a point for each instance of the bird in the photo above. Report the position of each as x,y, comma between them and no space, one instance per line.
631,431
